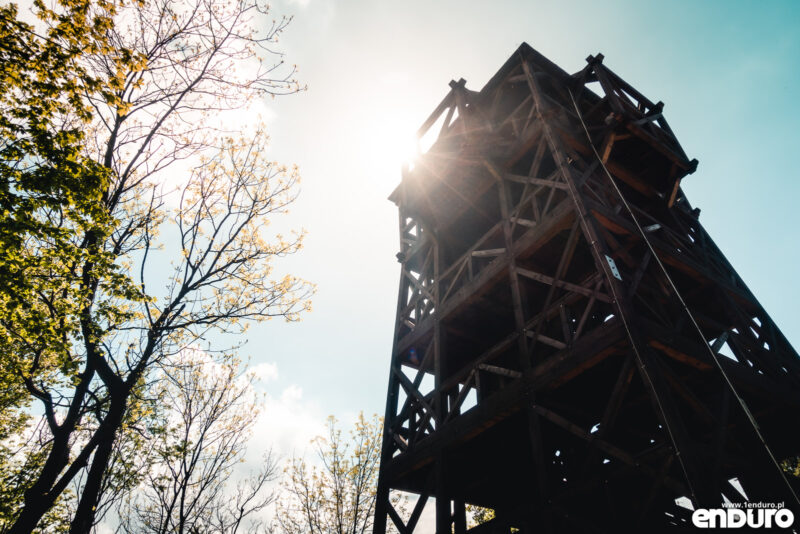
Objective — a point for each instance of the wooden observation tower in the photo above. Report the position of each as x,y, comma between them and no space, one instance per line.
571,348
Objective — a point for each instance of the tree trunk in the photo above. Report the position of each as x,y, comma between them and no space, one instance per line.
35,507
41,496
87,506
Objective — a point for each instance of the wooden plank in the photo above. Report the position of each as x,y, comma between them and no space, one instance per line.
444,104
411,390
488,253
446,124
502,371
536,181
546,340
454,409
608,145
417,512
539,277
523,222
493,352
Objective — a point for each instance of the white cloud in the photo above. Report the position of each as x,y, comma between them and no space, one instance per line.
287,424
265,372
292,394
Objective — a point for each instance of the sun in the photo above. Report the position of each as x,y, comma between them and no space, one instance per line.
407,147
391,142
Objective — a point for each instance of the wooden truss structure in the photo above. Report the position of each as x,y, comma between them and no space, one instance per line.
545,364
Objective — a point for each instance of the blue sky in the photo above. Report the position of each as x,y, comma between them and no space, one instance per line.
375,70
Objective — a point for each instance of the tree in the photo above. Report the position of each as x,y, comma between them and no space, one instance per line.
199,439
338,497
166,67
791,465
49,191
479,515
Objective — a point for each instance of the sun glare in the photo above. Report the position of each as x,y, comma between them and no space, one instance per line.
407,148
392,144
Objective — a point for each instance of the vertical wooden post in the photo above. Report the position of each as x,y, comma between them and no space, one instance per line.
382,499
459,517
444,515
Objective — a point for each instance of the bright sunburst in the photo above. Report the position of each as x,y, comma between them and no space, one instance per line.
391,142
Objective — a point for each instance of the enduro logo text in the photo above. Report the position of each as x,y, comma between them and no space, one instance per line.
738,515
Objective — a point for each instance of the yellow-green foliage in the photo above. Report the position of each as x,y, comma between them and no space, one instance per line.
792,466
50,194
96,102
336,495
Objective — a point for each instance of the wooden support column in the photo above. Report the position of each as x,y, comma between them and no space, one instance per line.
382,503
444,518
440,402
459,517
444,515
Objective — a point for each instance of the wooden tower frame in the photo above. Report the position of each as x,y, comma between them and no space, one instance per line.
571,348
